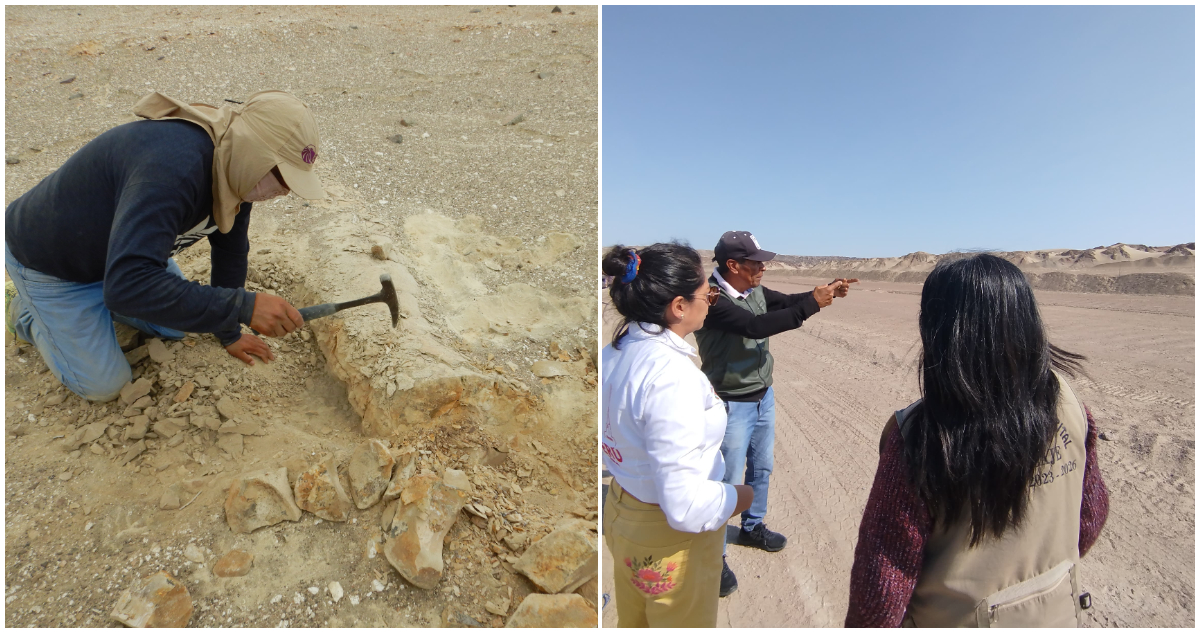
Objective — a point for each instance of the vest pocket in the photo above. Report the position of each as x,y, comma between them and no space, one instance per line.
1046,600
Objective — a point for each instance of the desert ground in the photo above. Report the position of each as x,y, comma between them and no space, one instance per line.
839,377
459,152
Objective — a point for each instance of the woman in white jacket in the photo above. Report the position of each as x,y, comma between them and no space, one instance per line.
665,514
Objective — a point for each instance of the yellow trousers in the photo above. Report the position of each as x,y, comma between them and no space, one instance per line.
663,577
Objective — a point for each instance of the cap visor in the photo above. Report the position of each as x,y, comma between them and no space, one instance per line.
303,183
761,256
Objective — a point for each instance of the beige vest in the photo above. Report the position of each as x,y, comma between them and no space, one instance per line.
1030,576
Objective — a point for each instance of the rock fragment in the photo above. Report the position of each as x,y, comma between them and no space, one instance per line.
370,472
87,434
193,553
319,491
159,601
381,247
516,541
230,443
205,422
229,408
236,563
134,390
136,355
258,499
498,607
335,591
185,391
405,468
138,425
158,351
127,337
170,500
457,479
426,511
563,559
549,369
169,427
133,451
558,611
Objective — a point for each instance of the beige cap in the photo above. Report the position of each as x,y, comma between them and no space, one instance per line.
272,129
288,128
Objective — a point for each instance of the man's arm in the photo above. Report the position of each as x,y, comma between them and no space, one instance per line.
778,300
136,281
729,318
229,263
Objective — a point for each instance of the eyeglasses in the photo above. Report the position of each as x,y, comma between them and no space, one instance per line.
712,295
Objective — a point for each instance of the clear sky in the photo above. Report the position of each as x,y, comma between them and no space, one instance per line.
879,131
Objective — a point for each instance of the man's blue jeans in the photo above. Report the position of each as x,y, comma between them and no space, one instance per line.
749,448
73,329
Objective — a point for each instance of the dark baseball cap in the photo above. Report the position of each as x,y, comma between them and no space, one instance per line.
740,245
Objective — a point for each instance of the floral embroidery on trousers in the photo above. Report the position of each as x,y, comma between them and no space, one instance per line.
651,576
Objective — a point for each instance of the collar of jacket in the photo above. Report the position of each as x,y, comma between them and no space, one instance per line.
728,288
641,331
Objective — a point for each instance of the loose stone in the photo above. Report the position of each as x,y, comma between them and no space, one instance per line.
558,611
159,601
319,491
415,537
370,471
563,559
258,499
236,563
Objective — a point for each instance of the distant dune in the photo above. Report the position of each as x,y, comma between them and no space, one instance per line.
1120,268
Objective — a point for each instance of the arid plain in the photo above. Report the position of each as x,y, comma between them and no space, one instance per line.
839,377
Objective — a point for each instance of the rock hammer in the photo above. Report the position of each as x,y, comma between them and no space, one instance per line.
386,295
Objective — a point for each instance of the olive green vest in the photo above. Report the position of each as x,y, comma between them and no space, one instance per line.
734,364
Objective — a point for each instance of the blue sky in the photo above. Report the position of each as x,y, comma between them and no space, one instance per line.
879,131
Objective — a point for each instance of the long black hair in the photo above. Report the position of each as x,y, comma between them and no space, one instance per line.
665,271
988,412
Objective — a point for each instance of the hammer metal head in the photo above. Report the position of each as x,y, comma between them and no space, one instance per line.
389,297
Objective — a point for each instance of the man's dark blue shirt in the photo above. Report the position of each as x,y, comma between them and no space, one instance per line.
119,208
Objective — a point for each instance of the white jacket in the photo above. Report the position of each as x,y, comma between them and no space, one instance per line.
663,426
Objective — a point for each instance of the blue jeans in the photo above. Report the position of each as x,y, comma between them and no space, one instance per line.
749,448
73,329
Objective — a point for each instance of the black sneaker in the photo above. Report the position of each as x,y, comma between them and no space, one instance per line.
728,580
762,538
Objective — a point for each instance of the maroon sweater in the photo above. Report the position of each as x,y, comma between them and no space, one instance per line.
896,524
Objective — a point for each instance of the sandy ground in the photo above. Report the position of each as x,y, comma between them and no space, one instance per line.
838,378
448,82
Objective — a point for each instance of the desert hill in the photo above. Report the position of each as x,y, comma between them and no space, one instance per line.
1119,268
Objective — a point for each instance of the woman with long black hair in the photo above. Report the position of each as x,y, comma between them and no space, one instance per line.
665,513
988,491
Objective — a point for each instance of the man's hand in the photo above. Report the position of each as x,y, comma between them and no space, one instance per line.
836,288
844,289
273,316
248,345
745,497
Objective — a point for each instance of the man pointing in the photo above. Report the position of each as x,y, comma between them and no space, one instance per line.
736,358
